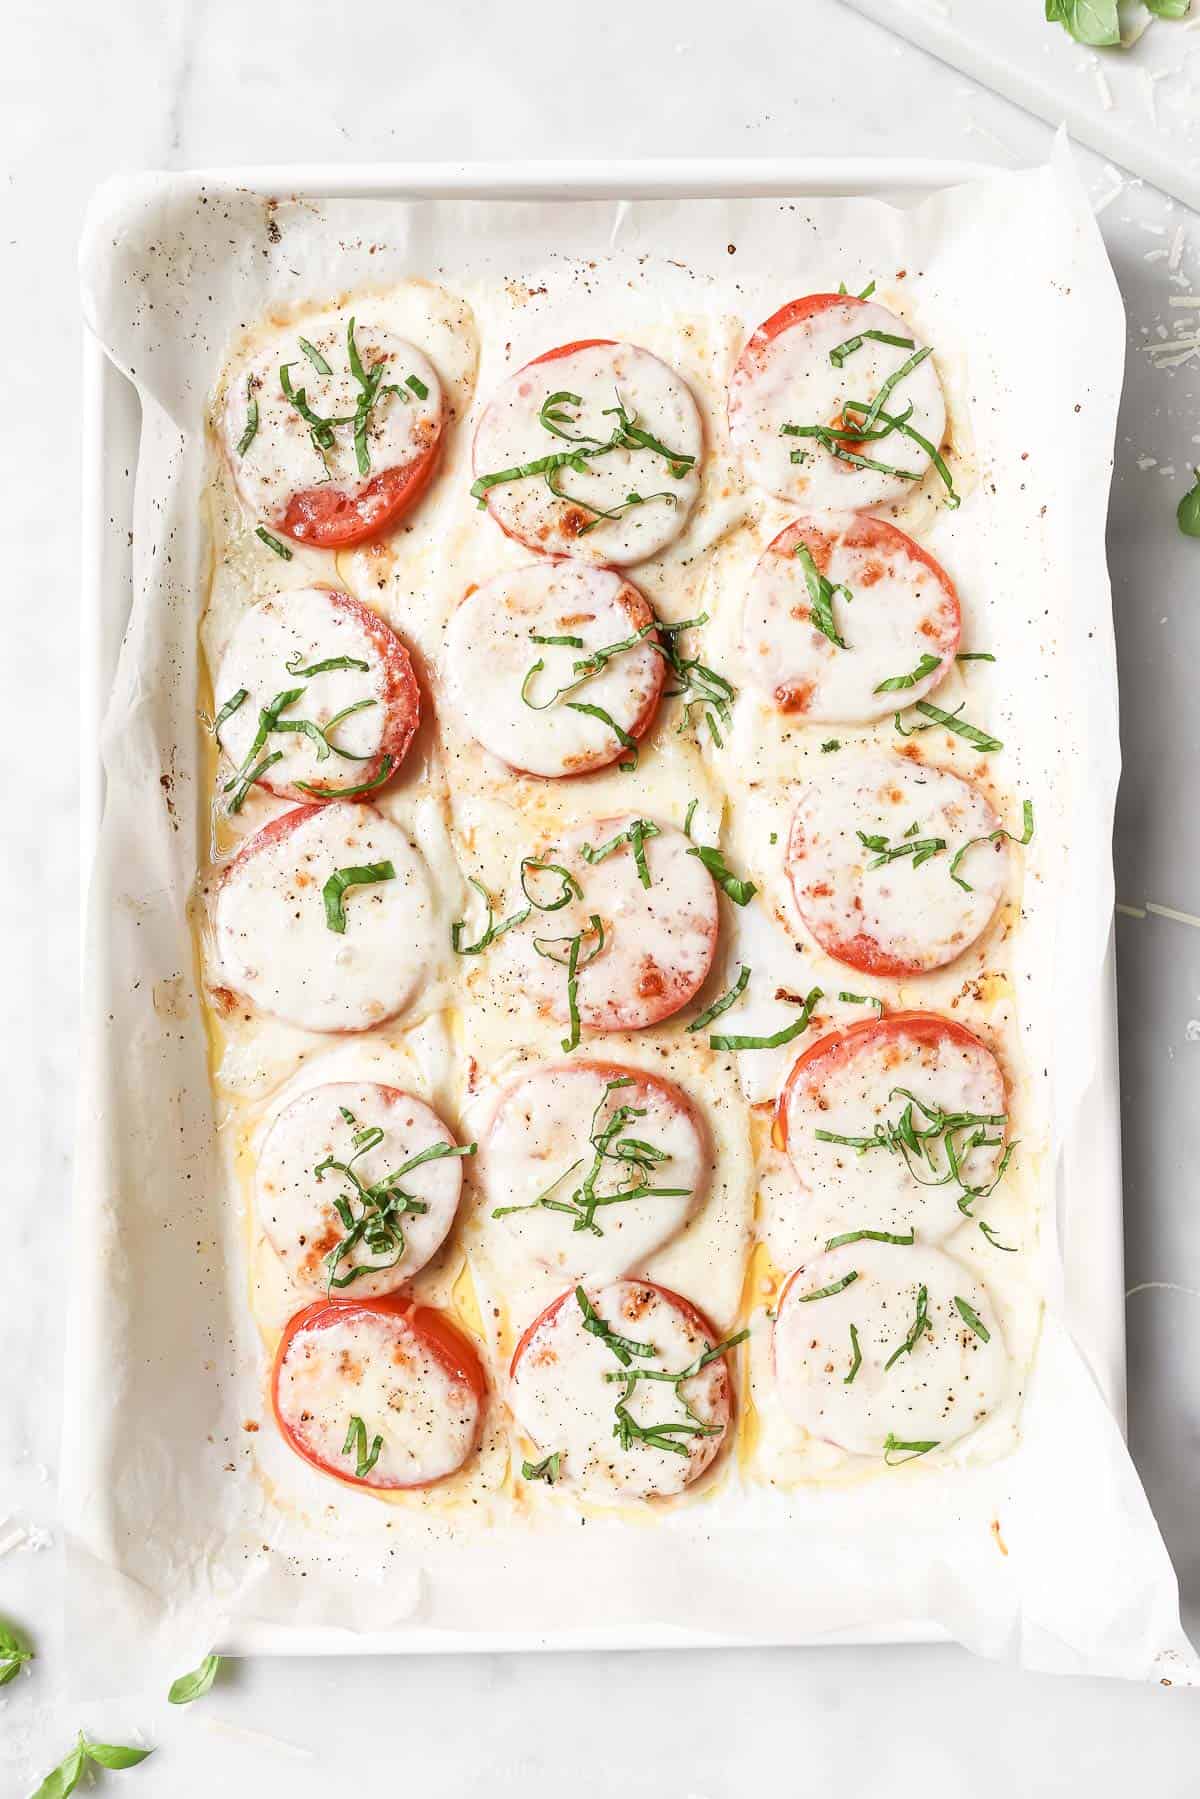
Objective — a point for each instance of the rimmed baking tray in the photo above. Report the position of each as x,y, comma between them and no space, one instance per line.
1088,1184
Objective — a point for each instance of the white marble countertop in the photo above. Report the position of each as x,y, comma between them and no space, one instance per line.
207,82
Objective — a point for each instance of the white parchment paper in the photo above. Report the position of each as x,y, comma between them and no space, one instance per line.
1047,1556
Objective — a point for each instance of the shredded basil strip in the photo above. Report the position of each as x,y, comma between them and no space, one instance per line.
901,424
356,1445
547,1469
920,849
418,386
688,817
856,1363
383,1205
971,1318
635,1158
624,1348
821,592
243,783
273,543
570,886
924,667
627,434
491,931
565,642
870,1237
636,835
571,962
831,743
961,726
974,656
862,999
623,738
315,357
248,435
723,1004
228,709
348,793
739,891
920,1325
671,1435
786,1035
1024,839
915,1142
331,663
847,1280
1008,1248
894,1445
341,879
866,293
839,354
893,381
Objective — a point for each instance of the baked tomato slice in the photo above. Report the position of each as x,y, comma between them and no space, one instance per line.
379,1393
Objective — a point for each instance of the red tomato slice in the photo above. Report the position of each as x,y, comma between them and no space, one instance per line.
839,1047
333,520
441,1340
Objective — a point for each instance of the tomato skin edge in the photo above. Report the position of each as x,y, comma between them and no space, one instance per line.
581,343
793,312
401,701
445,1341
416,474
841,1044
690,1311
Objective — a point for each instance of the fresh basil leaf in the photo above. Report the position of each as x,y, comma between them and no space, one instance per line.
1188,514
114,1755
196,1684
1094,22
65,1778
14,1653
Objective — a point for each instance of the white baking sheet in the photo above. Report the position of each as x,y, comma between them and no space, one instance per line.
172,1546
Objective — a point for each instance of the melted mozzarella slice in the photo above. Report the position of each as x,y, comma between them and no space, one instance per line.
281,459
409,1377
897,917
786,377
949,1382
659,936
274,940
903,614
498,636
375,700
588,381
585,1131
563,1400
377,1133
860,1084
